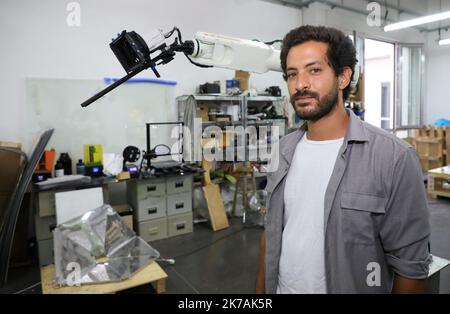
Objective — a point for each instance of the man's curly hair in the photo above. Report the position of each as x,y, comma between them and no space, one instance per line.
341,51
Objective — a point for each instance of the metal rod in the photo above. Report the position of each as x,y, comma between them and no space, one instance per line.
111,87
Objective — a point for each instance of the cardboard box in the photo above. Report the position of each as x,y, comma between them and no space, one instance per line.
243,78
128,220
202,111
226,139
9,167
4,200
220,117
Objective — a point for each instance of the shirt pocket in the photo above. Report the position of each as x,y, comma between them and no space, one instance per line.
360,215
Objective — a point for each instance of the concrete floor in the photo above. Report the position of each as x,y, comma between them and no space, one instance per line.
225,261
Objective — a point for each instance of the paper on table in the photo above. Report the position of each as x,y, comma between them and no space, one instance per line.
66,178
75,203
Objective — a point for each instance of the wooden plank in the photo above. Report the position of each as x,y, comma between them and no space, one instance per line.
217,212
439,193
207,166
159,285
447,145
437,182
443,172
152,273
216,209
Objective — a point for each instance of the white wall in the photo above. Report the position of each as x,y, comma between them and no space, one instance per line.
318,13
437,71
38,43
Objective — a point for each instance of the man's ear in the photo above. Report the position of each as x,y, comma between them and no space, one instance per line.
345,77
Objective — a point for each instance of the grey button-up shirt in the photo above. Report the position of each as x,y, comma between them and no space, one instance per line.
376,216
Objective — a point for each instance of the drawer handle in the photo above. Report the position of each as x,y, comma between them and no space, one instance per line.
181,225
151,188
152,210
153,231
179,205
179,184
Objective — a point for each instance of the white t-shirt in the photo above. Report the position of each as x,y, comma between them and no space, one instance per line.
302,261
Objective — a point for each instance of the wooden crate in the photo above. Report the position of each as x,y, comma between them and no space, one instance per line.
446,144
439,182
431,144
428,164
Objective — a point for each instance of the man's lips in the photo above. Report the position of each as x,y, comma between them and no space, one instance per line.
304,99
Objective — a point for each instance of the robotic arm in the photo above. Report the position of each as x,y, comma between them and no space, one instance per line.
234,53
205,50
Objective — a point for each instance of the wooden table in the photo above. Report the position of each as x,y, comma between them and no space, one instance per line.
438,182
152,273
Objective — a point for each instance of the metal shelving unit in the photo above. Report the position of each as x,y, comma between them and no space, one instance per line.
242,101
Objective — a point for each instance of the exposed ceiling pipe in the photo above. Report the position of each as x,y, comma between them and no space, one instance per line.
292,3
299,4
344,7
393,7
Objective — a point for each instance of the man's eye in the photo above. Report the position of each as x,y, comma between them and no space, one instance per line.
291,75
316,70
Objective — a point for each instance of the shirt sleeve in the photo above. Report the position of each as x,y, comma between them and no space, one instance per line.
405,230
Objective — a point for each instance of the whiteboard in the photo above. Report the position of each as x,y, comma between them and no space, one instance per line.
115,121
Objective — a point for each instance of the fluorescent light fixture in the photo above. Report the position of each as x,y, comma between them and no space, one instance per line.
443,42
418,21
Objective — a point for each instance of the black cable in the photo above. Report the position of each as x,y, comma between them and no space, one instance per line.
198,64
273,41
169,33
179,35
175,29
182,47
269,42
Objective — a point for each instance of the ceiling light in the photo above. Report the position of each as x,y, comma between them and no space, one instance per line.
418,21
443,42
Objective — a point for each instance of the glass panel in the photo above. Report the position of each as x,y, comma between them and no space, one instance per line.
410,65
378,78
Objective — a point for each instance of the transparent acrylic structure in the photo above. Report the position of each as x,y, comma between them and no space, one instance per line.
98,247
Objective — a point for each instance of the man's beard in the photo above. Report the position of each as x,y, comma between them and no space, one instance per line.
324,104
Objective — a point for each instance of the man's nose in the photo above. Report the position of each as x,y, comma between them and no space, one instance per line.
303,83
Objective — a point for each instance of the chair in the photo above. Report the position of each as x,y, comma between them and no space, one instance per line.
13,209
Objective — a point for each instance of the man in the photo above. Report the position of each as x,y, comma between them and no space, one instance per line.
347,208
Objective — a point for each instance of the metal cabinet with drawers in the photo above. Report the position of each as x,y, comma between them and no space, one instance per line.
162,206
44,223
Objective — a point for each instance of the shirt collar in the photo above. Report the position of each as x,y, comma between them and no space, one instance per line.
356,132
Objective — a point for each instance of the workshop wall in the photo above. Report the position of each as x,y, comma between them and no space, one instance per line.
40,44
437,58
437,97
